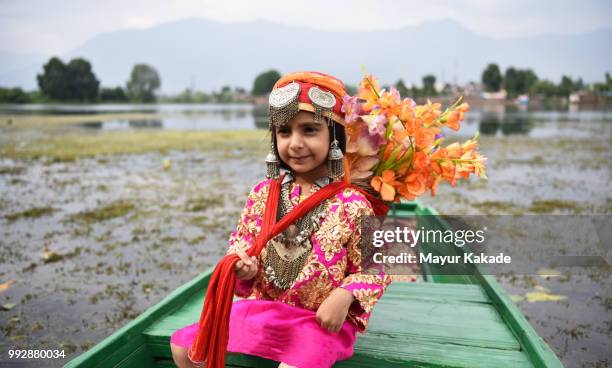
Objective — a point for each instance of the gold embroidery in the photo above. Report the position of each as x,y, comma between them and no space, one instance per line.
259,199
333,234
312,266
312,293
338,270
367,298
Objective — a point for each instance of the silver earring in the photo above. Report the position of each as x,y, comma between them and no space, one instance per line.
335,158
272,164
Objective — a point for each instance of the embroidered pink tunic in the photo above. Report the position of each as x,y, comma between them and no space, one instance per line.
281,324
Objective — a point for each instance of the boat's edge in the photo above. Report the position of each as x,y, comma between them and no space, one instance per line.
97,353
540,354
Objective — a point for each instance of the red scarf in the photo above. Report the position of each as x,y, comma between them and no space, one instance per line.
210,344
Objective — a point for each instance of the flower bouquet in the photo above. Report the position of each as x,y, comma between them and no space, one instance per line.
396,144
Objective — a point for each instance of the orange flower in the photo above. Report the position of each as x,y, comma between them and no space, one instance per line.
424,138
454,150
353,131
415,184
368,90
407,111
464,107
420,161
390,102
453,119
385,185
428,113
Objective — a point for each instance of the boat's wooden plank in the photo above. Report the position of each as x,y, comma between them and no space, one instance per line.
474,324
439,292
136,358
375,351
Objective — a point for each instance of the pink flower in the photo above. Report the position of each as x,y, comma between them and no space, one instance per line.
350,107
376,124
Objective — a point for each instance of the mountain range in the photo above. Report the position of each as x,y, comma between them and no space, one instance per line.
207,55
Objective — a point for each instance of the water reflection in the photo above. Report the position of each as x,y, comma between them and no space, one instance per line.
506,124
492,120
260,116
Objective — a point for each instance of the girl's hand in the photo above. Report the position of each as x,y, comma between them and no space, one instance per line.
332,312
246,267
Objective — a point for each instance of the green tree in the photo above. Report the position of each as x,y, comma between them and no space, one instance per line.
83,85
73,82
53,82
144,80
429,83
518,81
13,95
116,94
402,89
264,82
492,78
566,87
544,87
604,88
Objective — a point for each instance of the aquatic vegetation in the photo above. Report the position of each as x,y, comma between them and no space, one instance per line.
12,170
498,208
203,203
110,211
72,146
35,212
552,206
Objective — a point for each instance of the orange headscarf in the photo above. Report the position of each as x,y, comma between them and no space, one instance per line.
326,82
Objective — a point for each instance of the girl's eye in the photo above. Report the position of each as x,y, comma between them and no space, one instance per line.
283,131
310,130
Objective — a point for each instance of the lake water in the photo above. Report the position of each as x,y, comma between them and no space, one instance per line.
164,226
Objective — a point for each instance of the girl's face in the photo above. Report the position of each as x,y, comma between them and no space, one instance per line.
303,144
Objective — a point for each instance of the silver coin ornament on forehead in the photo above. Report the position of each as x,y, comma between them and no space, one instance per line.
322,101
322,98
284,104
282,97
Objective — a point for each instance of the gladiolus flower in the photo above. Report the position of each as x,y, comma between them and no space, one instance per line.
385,185
376,124
350,107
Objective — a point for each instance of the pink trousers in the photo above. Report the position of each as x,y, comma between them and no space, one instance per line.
280,332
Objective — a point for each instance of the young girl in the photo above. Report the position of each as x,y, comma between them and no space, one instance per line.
306,297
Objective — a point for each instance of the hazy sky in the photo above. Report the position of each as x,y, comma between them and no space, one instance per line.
52,27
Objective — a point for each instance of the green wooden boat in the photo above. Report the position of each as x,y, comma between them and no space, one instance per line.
445,321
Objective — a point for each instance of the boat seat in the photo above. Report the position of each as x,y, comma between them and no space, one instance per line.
414,324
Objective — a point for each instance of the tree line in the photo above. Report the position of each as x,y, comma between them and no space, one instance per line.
76,81
524,81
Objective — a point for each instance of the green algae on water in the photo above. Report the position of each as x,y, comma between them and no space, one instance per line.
35,212
110,211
